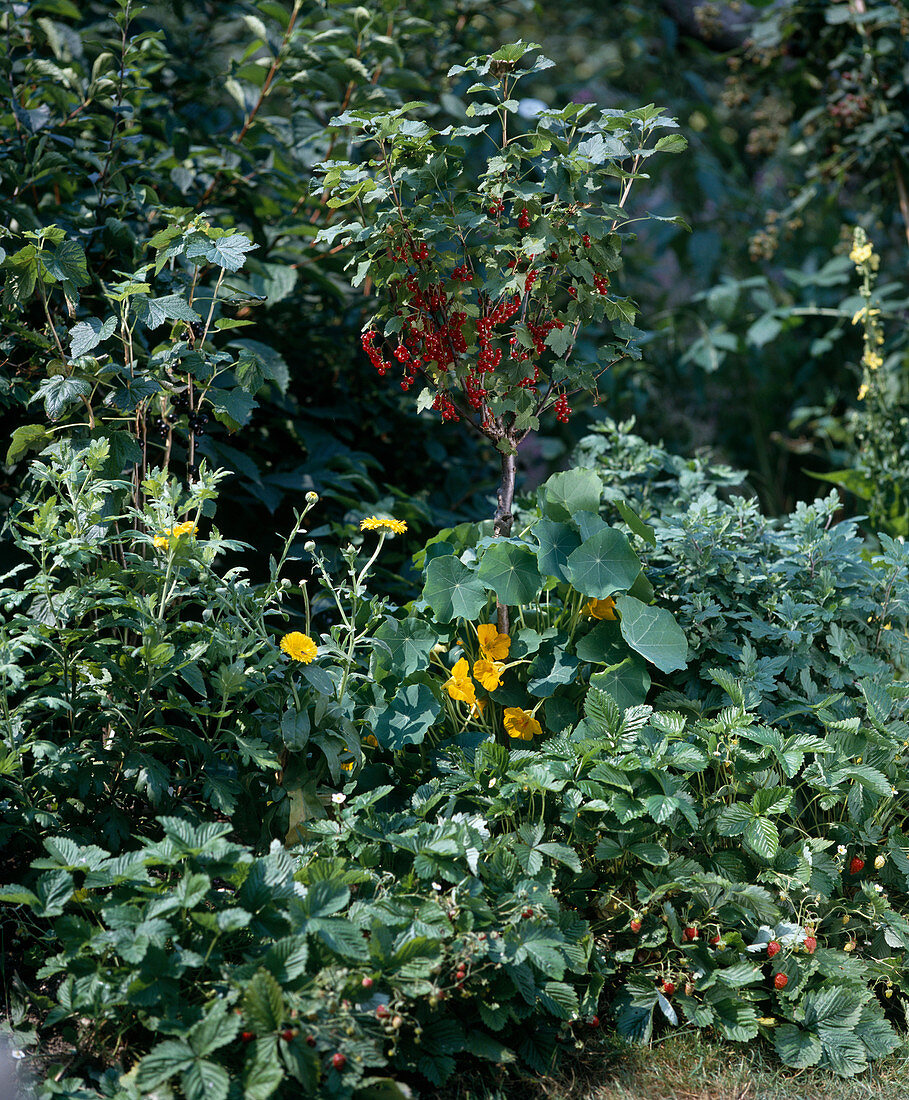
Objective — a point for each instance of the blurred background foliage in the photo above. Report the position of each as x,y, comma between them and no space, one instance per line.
119,114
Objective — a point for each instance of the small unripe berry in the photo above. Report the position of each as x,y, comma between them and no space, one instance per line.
635,925
879,862
366,983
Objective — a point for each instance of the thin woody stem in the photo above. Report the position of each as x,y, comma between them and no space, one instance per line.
504,518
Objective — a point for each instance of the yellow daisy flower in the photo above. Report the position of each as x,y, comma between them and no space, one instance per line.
380,523
521,724
460,686
488,673
601,609
493,645
299,647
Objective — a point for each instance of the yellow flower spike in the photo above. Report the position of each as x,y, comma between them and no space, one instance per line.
487,673
460,686
299,647
493,645
380,523
863,391
865,311
861,254
521,724
601,609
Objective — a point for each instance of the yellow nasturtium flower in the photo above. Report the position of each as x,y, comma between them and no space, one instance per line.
493,645
601,609
162,542
521,724
299,647
487,673
460,686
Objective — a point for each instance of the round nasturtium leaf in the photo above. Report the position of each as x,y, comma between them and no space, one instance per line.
603,564
510,570
452,590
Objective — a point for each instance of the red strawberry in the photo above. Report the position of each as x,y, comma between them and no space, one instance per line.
367,983
810,944
668,988
772,948
339,1061
247,1036
594,1021
690,933
635,925
287,1034
714,941
528,912
382,1011
855,865
310,1040
781,981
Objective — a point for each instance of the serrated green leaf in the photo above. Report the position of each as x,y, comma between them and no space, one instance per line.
263,1003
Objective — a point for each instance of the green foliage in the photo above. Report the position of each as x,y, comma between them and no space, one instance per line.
487,272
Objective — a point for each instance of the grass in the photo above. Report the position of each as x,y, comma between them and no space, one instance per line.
688,1066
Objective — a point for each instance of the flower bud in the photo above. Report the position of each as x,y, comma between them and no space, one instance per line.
312,498
309,546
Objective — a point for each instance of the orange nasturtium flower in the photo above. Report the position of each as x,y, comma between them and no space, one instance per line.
488,673
371,740
521,724
493,645
460,686
601,609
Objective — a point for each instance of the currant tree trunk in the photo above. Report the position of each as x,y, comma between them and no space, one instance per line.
503,520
